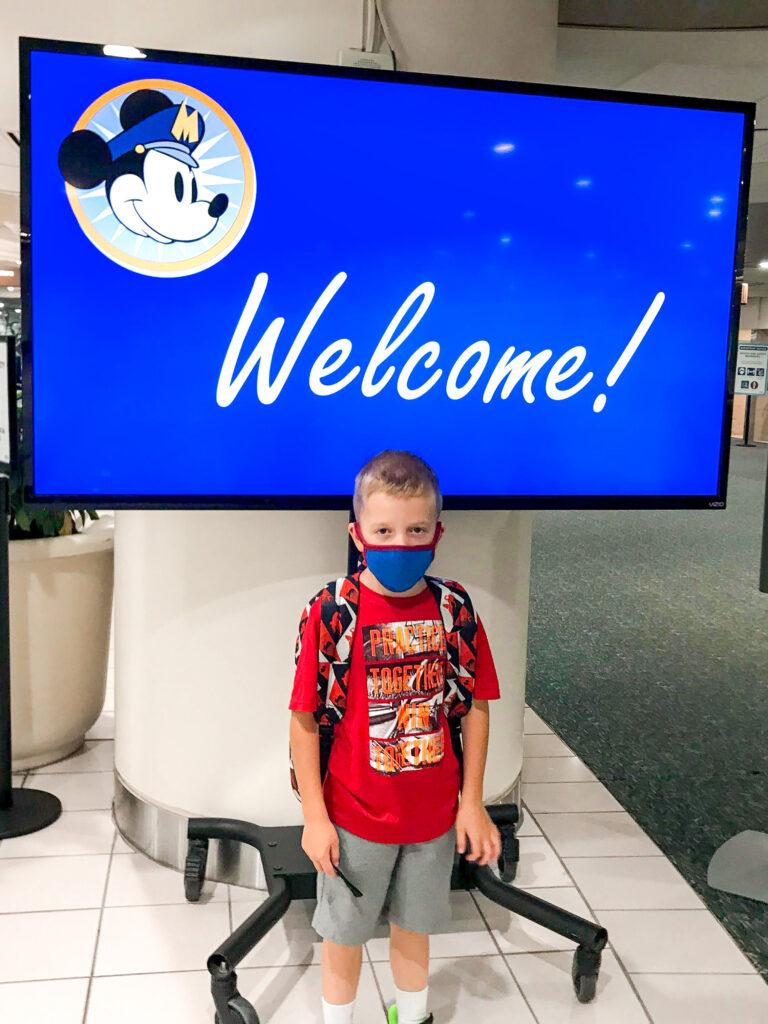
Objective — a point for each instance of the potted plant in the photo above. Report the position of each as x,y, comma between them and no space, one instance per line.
60,581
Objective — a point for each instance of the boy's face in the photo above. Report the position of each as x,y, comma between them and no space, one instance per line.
390,519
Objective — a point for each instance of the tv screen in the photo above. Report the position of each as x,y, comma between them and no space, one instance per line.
244,278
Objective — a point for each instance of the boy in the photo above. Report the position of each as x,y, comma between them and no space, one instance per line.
388,814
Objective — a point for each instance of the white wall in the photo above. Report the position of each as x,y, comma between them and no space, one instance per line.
494,38
513,39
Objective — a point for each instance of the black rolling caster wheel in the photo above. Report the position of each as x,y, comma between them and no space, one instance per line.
510,855
584,971
241,1011
194,869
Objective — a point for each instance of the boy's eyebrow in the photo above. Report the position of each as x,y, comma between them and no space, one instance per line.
421,522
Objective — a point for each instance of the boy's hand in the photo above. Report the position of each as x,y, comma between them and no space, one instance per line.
473,823
320,842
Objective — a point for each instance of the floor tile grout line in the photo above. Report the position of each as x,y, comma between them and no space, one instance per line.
605,856
504,959
119,906
54,856
98,930
376,981
625,813
562,782
574,812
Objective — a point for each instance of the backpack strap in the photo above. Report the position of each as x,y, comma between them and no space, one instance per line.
460,624
338,616
339,604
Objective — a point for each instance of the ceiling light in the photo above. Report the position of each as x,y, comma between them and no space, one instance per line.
763,264
114,50
503,147
7,273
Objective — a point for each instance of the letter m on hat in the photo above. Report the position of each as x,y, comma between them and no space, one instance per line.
186,127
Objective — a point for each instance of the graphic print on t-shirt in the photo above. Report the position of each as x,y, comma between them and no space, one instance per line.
405,673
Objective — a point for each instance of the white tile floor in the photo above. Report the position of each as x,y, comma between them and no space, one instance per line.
94,933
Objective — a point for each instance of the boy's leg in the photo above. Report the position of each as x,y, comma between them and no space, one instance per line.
345,921
341,972
419,905
409,958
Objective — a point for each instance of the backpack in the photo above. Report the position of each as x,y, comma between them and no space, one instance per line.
340,601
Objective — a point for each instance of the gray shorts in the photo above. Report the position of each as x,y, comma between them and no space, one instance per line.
408,884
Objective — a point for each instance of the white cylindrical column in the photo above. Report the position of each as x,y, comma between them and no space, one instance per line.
207,606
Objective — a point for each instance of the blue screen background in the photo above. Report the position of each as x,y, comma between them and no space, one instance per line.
562,241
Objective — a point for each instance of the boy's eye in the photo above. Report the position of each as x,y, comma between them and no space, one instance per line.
413,529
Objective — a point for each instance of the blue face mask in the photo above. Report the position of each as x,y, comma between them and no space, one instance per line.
399,568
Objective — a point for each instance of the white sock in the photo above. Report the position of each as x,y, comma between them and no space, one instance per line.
411,1006
337,1013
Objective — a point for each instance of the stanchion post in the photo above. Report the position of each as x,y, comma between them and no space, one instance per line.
764,551
748,424
5,653
21,810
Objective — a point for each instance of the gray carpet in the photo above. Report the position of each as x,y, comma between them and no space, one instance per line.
648,655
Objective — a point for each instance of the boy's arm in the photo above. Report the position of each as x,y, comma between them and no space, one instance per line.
305,753
474,743
319,839
473,822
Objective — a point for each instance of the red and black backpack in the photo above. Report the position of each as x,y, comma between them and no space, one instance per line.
340,601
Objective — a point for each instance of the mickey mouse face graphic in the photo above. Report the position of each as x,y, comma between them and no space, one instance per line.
159,212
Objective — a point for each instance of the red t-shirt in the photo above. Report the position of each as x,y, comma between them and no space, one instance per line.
392,774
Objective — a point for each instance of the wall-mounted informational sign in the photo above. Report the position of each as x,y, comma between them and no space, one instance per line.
751,368
247,277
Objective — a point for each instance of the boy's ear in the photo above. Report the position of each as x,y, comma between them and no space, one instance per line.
353,535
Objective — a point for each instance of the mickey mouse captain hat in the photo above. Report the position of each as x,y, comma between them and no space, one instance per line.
174,131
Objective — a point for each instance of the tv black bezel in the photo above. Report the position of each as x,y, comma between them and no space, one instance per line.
27,45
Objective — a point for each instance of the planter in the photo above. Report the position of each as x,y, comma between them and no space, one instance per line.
60,612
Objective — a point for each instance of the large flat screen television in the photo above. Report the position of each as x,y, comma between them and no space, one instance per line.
242,278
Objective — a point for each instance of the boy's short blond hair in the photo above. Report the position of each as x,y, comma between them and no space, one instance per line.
399,473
